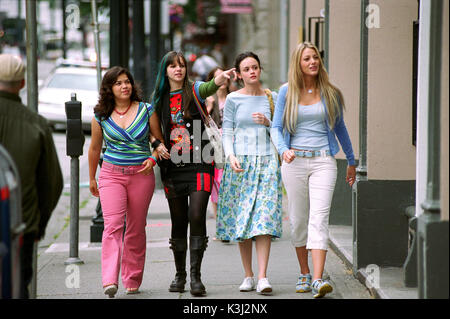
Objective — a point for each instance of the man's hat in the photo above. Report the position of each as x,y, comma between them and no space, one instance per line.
11,68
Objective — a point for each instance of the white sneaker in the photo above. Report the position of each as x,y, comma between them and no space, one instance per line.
248,284
263,287
110,290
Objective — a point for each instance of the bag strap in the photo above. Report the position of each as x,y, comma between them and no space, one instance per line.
199,105
270,97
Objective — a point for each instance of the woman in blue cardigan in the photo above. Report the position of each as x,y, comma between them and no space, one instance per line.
308,118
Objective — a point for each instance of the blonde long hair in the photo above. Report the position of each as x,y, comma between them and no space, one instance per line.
334,101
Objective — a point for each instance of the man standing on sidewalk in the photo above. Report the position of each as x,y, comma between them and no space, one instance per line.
28,139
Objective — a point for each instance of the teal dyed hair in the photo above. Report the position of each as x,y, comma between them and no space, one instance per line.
162,85
161,82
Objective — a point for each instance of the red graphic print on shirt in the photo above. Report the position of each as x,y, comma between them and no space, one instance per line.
180,138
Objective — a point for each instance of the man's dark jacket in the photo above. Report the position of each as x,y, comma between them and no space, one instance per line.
28,139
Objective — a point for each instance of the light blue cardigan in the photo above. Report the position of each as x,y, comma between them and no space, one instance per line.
240,135
282,138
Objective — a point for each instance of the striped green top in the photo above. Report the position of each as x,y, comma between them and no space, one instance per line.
130,146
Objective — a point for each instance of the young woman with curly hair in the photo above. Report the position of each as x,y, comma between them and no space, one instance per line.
126,181
186,164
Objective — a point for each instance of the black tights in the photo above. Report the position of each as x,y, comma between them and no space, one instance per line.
194,212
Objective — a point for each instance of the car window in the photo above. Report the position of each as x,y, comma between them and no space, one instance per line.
73,81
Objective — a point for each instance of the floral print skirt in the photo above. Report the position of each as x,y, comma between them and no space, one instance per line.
250,202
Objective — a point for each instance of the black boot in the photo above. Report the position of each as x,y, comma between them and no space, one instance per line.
197,247
179,248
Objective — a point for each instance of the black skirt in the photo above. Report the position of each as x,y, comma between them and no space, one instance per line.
185,179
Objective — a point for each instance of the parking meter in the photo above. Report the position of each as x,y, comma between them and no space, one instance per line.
74,132
74,147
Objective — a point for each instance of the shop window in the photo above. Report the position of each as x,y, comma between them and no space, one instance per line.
316,33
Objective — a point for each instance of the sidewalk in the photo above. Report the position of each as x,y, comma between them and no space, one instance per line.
222,270
391,284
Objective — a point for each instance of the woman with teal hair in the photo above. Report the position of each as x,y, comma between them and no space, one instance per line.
185,160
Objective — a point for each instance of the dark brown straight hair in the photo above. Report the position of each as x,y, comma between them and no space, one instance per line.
162,85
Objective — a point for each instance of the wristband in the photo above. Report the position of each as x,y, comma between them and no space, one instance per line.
153,159
156,143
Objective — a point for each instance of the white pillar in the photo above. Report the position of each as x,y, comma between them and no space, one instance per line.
422,105
284,35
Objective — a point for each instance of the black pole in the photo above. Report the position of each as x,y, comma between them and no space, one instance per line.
119,35
97,221
155,30
64,44
139,45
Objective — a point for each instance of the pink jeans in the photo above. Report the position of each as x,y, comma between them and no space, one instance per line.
124,193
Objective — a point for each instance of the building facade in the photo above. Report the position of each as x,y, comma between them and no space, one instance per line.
382,55
259,32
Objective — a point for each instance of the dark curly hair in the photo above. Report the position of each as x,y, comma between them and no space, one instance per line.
106,102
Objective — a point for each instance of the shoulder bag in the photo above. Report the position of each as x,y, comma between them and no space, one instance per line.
214,134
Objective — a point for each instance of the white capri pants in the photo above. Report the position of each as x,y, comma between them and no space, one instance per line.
309,183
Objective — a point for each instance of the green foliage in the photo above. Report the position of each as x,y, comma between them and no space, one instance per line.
85,7
190,11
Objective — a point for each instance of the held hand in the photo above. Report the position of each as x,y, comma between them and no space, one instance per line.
288,156
163,153
222,78
93,188
351,175
235,165
260,118
148,167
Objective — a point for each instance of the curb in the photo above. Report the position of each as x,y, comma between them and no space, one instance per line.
361,275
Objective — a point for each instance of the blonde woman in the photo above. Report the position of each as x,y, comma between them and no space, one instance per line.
308,118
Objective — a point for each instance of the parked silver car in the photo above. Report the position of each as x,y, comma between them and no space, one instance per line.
58,87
